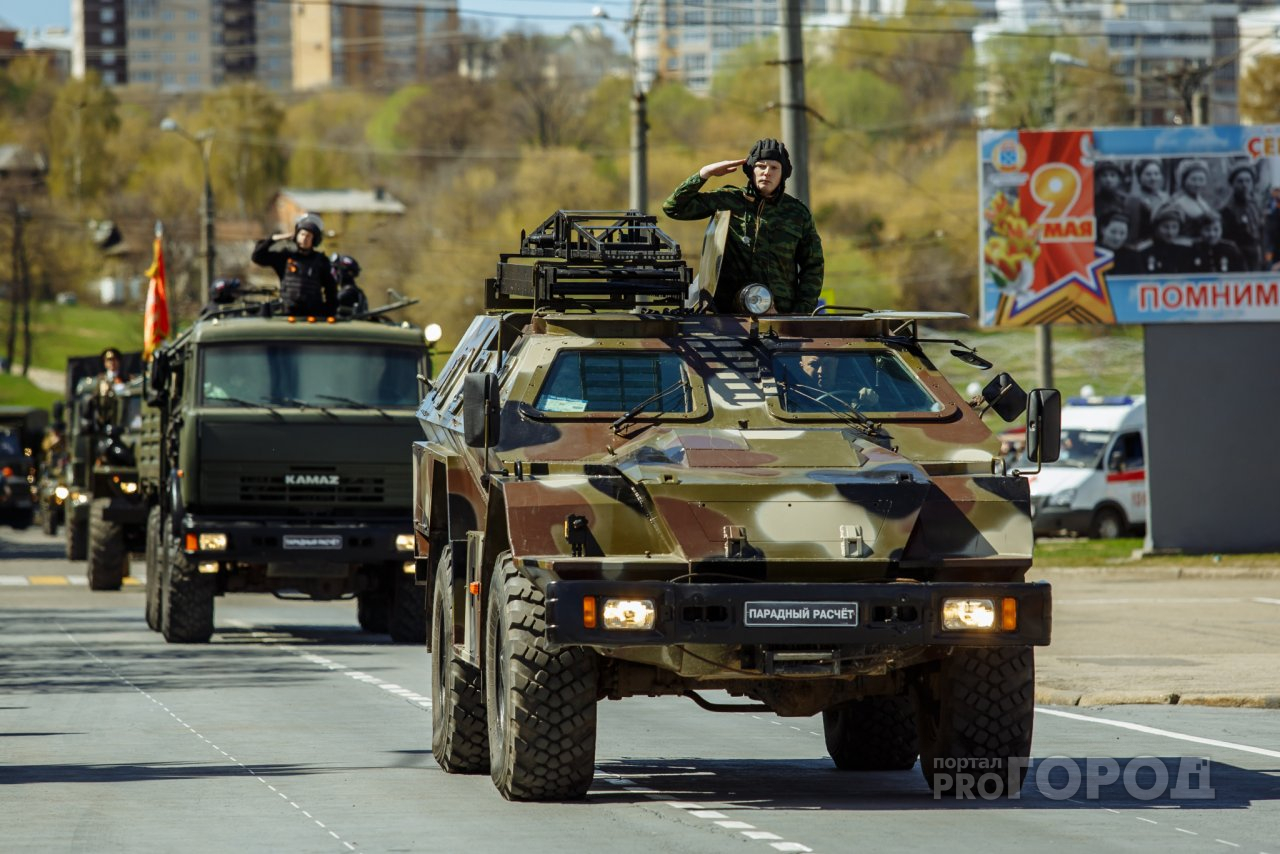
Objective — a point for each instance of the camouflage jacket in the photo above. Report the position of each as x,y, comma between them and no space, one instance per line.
771,241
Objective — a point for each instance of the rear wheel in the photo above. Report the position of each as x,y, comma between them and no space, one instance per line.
459,729
1108,523
872,734
541,703
49,519
186,599
155,564
407,621
373,607
975,715
107,558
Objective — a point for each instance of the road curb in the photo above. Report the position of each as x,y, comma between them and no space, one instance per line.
1060,697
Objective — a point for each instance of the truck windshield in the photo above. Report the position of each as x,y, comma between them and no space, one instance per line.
581,381
314,374
866,380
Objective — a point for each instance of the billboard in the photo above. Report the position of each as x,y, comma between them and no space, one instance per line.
1130,225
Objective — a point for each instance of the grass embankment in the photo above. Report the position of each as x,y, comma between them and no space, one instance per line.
1127,553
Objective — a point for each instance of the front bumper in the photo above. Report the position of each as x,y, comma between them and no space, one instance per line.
279,541
1050,520
887,614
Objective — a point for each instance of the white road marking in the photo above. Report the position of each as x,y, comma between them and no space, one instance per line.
1184,830
1265,601
14,581
1147,820
1225,842
1181,736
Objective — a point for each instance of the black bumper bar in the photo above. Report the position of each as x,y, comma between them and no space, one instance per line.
297,540
887,614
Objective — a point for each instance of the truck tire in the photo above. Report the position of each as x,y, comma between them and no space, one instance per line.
186,599
22,519
407,620
77,538
541,704
872,734
975,715
373,609
1108,523
49,520
107,558
459,729
155,564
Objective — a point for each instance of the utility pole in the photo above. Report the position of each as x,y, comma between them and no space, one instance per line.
639,148
795,131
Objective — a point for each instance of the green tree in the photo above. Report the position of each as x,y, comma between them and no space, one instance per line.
247,161
81,123
1260,91
324,135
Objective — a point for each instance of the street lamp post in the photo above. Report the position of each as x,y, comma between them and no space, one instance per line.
639,113
204,142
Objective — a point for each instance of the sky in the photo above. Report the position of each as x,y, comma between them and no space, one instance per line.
545,15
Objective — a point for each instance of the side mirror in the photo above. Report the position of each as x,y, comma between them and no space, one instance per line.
156,384
480,410
1044,425
1005,396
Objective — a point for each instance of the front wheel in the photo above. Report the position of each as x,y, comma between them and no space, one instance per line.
407,618
459,730
77,537
108,560
974,715
1108,524
541,703
155,566
186,599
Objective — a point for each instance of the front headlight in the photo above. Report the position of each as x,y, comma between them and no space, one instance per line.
213,542
1064,498
61,493
960,614
404,542
755,299
629,614
128,487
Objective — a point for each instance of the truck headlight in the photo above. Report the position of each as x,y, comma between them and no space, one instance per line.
1065,498
213,542
629,614
128,487
755,299
404,542
968,614
61,493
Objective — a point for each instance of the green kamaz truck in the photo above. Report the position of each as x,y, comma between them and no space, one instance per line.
623,493
272,460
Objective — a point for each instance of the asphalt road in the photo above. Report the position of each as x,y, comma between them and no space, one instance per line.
295,731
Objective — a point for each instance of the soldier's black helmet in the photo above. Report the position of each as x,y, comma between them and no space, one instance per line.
768,149
312,223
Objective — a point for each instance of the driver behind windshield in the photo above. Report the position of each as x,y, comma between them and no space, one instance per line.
819,375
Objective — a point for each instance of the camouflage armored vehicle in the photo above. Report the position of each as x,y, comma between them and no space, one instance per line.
273,461
20,431
621,494
103,507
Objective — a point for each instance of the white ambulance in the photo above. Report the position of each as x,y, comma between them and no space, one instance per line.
1098,487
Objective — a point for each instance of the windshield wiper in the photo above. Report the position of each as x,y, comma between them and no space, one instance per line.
302,404
639,407
355,404
859,420
262,404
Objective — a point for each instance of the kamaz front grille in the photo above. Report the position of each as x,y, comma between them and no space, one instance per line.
260,489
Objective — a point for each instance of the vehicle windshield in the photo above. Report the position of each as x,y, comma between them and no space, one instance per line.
311,374
1082,449
581,381
10,446
867,380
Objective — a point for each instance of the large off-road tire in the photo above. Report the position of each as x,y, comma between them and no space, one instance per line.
975,716
541,704
186,600
1108,523
373,610
407,620
155,566
22,519
108,559
49,520
459,729
77,538
872,734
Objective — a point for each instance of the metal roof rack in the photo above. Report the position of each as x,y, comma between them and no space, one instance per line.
591,259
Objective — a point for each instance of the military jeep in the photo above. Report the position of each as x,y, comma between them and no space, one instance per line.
624,494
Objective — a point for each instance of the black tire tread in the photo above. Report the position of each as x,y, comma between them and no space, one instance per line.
407,614
549,751
872,734
186,609
107,557
372,608
155,563
986,707
459,726
77,539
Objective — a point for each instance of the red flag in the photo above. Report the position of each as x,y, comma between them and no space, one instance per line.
155,320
